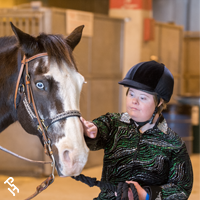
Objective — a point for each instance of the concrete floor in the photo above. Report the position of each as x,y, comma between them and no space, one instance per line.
69,189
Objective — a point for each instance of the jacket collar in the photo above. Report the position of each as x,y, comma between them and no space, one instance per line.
161,123
125,118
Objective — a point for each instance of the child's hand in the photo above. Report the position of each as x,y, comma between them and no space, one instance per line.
90,130
141,192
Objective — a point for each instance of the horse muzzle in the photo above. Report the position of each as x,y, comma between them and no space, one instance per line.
71,162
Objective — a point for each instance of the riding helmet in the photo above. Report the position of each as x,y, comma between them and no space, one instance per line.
152,77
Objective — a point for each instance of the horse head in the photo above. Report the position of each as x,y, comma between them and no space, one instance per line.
56,86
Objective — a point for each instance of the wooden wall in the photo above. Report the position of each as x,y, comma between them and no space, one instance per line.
191,64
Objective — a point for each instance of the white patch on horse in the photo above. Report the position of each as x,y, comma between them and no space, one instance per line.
44,59
72,149
35,65
70,83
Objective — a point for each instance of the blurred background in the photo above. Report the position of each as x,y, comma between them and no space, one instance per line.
117,35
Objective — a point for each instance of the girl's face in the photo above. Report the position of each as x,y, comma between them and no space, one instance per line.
139,105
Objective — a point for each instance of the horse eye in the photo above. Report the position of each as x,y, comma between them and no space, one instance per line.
40,85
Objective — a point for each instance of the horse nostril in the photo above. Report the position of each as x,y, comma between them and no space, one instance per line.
66,156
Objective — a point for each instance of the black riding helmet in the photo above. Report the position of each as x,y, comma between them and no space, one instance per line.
151,77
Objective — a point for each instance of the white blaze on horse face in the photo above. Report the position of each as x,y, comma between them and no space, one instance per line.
72,149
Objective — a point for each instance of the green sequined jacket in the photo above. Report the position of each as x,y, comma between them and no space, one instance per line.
157,159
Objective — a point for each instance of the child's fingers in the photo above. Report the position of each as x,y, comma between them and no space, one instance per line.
85,123
92,132
92,135
89,127
92,129
82,120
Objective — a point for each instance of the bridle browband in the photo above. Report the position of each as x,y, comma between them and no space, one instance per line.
42,125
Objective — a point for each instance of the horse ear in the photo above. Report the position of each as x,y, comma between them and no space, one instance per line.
26,41
74,38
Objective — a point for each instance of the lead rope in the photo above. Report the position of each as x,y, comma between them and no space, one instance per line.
121,189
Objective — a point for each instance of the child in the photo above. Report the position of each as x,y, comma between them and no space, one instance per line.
139,146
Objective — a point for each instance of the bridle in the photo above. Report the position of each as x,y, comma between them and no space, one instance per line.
42,125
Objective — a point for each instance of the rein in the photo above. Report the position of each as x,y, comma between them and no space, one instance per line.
23,158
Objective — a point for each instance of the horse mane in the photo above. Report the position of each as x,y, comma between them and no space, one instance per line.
7,42
57,48
55,45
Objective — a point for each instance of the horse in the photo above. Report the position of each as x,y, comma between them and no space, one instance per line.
45,97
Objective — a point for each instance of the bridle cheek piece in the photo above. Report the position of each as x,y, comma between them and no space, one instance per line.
42,125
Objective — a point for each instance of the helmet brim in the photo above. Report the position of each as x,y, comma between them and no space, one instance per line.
136,85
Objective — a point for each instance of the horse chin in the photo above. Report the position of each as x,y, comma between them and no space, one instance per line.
70,173
73,171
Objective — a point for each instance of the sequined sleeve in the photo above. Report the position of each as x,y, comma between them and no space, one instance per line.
180,179
180,175
104,125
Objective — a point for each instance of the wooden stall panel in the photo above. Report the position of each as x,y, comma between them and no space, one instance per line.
176,90
5,29
191,63
82,55
28,21
193,86
192,55
104,97
106,45
58,21
170,53
150,49
171,47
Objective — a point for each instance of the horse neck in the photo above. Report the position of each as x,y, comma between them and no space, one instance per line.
8,77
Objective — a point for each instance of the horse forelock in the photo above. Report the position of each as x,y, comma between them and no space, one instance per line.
57,49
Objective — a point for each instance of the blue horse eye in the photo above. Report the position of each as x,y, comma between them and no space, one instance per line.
40,85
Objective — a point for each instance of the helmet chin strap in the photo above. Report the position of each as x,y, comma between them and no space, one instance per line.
148,121
155,111
154,114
